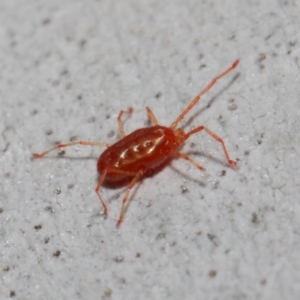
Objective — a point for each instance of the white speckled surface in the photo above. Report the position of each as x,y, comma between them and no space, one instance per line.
68,67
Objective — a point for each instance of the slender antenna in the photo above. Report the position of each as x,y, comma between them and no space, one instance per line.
198,97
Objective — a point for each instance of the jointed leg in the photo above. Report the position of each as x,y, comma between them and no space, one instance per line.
151,116
100,182
121,126
205,90
102,179
184,156
59,146
231,162
132,183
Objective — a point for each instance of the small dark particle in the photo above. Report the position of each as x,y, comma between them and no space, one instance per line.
232,106
56,253
91,119
108,292
46,21
82,43
64,72
262,57
57,191
213,273
160,236
6,147
184,189
49,132
119,259
213,238
38,227
111,133
158,95
12,294
49,209
263,282
223,173
254,218
61,152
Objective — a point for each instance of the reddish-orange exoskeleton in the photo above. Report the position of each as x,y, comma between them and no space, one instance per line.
145,150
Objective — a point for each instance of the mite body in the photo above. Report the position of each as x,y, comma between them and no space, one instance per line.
145,150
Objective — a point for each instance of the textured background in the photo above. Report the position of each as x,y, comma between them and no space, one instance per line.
68,67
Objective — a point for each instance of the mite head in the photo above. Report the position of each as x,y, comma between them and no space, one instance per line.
180,136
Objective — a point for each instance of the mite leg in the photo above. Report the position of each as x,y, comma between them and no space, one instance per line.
181,155
151,116
205,90
231,162
100,182
121,126
102,179
59,146
132,183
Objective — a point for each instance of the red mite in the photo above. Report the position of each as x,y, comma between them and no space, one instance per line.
145,150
